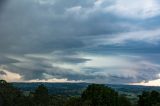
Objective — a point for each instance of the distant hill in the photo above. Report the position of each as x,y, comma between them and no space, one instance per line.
73,89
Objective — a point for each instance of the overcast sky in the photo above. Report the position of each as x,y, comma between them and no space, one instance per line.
97,41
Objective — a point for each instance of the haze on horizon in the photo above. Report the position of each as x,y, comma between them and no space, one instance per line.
97,41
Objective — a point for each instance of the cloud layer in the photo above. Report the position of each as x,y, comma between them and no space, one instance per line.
113,41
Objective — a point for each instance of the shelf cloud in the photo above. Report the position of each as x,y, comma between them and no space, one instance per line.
100,41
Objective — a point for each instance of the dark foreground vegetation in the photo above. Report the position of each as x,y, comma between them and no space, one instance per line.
93,95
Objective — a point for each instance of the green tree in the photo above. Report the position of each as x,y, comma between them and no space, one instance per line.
41,96
123,101
149,98
100,95
10,95
74,101
1,101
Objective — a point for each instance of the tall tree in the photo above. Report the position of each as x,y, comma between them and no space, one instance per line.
100,95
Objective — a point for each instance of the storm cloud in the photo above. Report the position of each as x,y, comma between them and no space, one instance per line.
113,41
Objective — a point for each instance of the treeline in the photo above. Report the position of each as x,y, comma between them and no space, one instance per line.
11,96
149,99
94,95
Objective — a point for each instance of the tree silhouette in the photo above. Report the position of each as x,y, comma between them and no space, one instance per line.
100,95
94,95
10,95
41,96
1,100
123,101
149,99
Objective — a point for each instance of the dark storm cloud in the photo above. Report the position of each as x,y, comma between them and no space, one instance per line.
144,75
44,39
2,3
6,60
40,70
29,23
146,72
35,67
131,48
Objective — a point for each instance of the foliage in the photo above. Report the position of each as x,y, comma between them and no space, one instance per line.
9,94
123,101
41,96
74,101
99,95
149,99
93,95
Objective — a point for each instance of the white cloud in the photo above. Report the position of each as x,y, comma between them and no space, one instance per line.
48,2
149,83
135,8
10,76
56,80
74,9
123,66
139,9
112,65
147,36
106,61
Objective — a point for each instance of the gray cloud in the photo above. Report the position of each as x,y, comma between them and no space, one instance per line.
2,3
6,60
52,39
40,24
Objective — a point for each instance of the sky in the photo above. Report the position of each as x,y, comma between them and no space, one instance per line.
95,41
